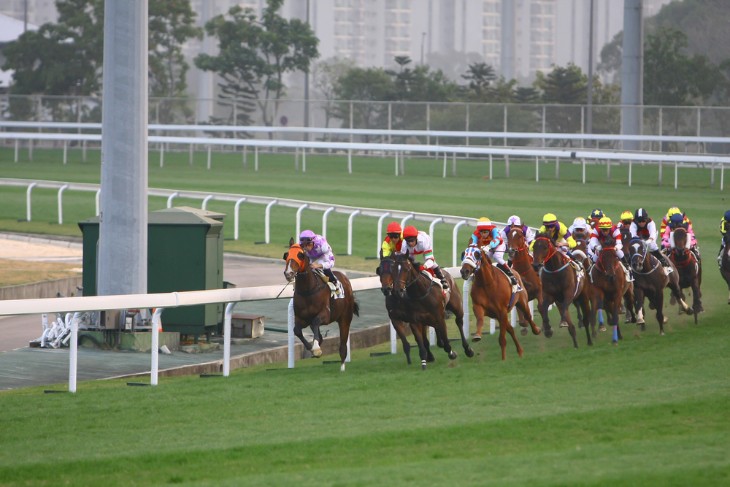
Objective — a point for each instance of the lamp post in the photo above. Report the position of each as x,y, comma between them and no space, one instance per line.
423,41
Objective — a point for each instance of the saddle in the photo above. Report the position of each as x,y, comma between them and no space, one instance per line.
437,281
336,291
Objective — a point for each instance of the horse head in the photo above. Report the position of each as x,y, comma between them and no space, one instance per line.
296,262
607,257
637,253
405,272
385,271
679,235
543,249
515,241
470,263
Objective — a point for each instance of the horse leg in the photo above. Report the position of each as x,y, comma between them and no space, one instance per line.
659,313
441,333
400,330
696,299
315,348
523,307
543,308
677,294
479,315
589,322
344,336
418,331
504,328
564,309
298,333
459,319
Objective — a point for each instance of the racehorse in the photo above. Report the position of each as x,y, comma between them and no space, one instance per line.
424,303
688,268
650,281
611,287
725,264
313,305
580,253
522,263
562,284
492,295
397,310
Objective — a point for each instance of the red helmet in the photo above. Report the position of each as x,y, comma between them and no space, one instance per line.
393,227
410,231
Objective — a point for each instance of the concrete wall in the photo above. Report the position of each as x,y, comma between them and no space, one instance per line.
47,289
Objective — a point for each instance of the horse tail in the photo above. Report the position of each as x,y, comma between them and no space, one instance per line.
355,307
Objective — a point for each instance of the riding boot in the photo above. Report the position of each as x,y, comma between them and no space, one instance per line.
508,271
330,275
663,260
440,275
627,269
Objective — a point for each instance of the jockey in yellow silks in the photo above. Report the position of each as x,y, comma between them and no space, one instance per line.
558,233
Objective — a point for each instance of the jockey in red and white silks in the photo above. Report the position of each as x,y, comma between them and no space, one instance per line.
605,229
419,243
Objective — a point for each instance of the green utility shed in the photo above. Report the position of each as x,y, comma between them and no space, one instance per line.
184,253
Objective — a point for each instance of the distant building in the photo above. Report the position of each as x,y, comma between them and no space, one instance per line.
10,30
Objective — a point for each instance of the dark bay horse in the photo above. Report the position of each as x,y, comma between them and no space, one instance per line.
725,265
313,305
397,310
491,295
650,280
424,303
522,263
611,287
688,268
562,284
580,253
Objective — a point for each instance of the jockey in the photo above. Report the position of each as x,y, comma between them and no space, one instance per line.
625,225
579,230
393,239
491,241
516,221
643,227
724,229
558,233
675,221
596,215
321,256
670,212
603,231
419,243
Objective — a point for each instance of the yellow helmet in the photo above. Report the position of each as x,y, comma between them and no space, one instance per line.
673,211
627,215
549,219
605,222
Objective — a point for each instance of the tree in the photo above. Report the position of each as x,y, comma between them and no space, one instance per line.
325,75
563,86
367,86
480,77
255,53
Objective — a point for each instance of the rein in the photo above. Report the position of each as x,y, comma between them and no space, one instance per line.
303,275
552,251
415,281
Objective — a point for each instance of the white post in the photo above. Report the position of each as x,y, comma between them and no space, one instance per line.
290,330
444,170
209,158
205,202
299,217
256,159
676,169
267,221
393,339
227,339
380,233
236,213
349,161
60,203
324,220
466,289
630,171
73,353
454,240
537,169
30,189
97,199
162,156
65,152
349,230
492,326
490,166
583,163
170,198
155,346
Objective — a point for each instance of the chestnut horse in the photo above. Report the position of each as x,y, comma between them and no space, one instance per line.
725,264
611,287
650,281
313,305
562,284
491,295
423,303
580,254
522,263
397,310
688,268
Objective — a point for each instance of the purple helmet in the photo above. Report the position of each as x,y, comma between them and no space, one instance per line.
306,236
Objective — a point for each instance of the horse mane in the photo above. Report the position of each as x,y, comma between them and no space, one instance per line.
542,234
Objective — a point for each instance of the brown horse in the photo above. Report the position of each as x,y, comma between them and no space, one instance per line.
688,268
562,284
611,287
522,263
313,305
397,310
650,281
725,264
580,254
491,295
423,303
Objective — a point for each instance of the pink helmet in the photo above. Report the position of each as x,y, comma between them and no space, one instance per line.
306,236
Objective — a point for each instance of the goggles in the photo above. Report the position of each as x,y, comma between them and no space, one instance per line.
394,235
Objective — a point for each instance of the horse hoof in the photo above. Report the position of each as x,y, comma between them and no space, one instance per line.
564,324
523,332
476,338
640,321
614,342
665,320
342,367
317,353
602,328
423,365
469,352
643,327
548,333
452,355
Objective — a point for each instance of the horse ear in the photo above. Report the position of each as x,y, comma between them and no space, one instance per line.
291,241
377,270
285,255
380,253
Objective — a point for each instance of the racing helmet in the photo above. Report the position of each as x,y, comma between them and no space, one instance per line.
640,215
393,227
306,236
626,216
676,220
410,232
514,220
605,222
550,220
673,211
727,216
484,223
580,223
596,214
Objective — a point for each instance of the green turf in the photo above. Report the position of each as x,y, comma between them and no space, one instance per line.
651,411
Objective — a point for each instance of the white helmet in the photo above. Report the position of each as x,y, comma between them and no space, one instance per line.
514,220
580,223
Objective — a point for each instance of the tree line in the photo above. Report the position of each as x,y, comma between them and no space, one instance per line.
255,54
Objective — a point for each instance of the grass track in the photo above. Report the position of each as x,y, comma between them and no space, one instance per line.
652,411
